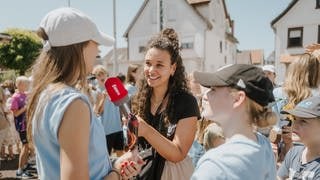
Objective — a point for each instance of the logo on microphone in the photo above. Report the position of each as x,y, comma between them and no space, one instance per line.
115,88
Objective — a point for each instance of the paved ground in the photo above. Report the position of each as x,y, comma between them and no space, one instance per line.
8,168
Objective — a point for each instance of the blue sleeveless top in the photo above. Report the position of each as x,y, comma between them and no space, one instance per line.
49,113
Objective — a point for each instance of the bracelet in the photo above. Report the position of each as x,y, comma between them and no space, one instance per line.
117,172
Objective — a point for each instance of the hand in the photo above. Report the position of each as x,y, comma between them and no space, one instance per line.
143,126
275,151
129,164
286,134
100,96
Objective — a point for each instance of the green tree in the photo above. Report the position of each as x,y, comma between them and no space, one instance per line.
20,53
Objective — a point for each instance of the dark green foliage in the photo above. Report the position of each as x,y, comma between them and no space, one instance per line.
21,51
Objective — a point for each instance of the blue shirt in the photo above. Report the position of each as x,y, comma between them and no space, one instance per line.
196,151
238,159
110,117
46,123
293,168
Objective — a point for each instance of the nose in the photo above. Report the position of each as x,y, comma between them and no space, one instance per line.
295,126
151,69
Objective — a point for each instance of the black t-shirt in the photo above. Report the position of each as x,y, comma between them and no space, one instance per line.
185,106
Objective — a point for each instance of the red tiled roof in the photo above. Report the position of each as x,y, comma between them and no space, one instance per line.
256,56
250,57
287,58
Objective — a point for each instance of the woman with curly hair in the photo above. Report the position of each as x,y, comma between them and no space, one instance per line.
166,110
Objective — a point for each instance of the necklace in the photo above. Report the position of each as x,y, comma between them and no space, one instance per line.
155,104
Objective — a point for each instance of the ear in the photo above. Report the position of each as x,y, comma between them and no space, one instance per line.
239,98
173,69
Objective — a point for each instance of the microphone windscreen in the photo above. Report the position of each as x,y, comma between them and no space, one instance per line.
116,90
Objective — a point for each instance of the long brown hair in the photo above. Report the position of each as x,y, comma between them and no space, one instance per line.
303,74
63,65
132,68
166,40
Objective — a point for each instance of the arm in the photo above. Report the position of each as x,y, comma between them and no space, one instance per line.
14,107
18,112
73,135
177,149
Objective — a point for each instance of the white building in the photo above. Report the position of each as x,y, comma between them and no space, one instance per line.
295,28
204,27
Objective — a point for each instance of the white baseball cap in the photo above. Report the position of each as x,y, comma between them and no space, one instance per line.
67,26
269,68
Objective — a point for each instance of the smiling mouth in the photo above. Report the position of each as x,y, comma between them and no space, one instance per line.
153,78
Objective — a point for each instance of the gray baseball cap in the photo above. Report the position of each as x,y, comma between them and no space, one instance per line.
308,108
66,26
248,78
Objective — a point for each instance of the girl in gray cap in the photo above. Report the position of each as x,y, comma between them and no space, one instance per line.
238,101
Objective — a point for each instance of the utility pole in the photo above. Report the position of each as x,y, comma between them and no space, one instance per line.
115,64
160,14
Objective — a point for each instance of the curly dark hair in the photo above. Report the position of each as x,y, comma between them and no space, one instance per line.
166,40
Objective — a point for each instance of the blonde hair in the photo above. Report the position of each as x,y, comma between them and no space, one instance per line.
22,79
260,116
201,126
211,133
99,69
303,74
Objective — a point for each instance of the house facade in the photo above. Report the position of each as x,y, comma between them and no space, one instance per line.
295,28
204,27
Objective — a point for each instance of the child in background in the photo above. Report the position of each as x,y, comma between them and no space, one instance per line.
18,108
110,115
213,136
303,162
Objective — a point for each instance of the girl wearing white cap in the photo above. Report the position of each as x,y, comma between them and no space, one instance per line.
69,141
238,101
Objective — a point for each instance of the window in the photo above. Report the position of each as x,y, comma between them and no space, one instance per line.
318,4
220,46
318,34
142,49
295,36
187,45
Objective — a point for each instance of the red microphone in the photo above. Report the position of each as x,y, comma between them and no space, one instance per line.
119,96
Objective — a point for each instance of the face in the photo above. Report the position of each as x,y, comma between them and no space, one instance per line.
307,129
270,75
206,108
23,86
158,67
90,53
220,104
101,78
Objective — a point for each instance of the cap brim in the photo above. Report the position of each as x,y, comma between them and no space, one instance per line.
208,79
298,112
103,39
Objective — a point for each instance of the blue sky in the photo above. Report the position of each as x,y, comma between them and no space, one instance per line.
252,17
